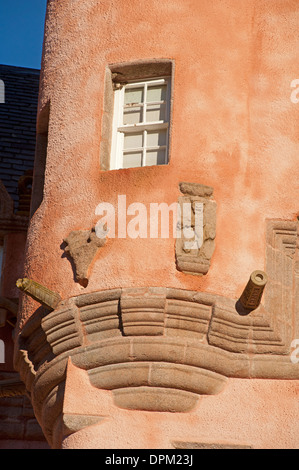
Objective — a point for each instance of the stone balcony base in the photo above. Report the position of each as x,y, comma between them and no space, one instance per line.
153,349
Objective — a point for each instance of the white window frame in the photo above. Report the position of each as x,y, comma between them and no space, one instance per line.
119,129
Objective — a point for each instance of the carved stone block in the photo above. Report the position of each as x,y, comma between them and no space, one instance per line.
187,319
197,228
142,311
100,317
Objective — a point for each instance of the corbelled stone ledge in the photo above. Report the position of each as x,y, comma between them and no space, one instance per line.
159,349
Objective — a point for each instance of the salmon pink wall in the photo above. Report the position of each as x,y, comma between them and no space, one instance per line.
233,128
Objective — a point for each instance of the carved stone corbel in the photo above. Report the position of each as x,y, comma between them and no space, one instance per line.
82,246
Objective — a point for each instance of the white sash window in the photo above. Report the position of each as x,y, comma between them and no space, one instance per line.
141,124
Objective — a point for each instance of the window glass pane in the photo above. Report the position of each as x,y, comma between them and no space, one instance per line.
133,95
155,112
133,115
156,138
132,159
133,141
156,93
155,157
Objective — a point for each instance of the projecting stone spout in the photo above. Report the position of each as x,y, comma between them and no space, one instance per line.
40,293
252,294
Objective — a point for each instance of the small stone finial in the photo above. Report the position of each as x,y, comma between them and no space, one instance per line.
38,292
252,294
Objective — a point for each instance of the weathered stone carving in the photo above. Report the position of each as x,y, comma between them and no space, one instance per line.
40,293
82,246
159,349
193,256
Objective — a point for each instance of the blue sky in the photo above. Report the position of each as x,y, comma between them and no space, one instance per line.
21,32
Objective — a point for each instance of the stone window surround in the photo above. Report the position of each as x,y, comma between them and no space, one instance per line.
118,75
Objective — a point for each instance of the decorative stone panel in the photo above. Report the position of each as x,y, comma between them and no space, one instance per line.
193,255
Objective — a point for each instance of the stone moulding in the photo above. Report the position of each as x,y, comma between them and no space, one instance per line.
196,260
159,349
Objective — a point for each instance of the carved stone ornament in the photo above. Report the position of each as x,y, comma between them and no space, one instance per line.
160,349
195,246
82,246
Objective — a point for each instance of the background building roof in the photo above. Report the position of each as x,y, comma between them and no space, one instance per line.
17,125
